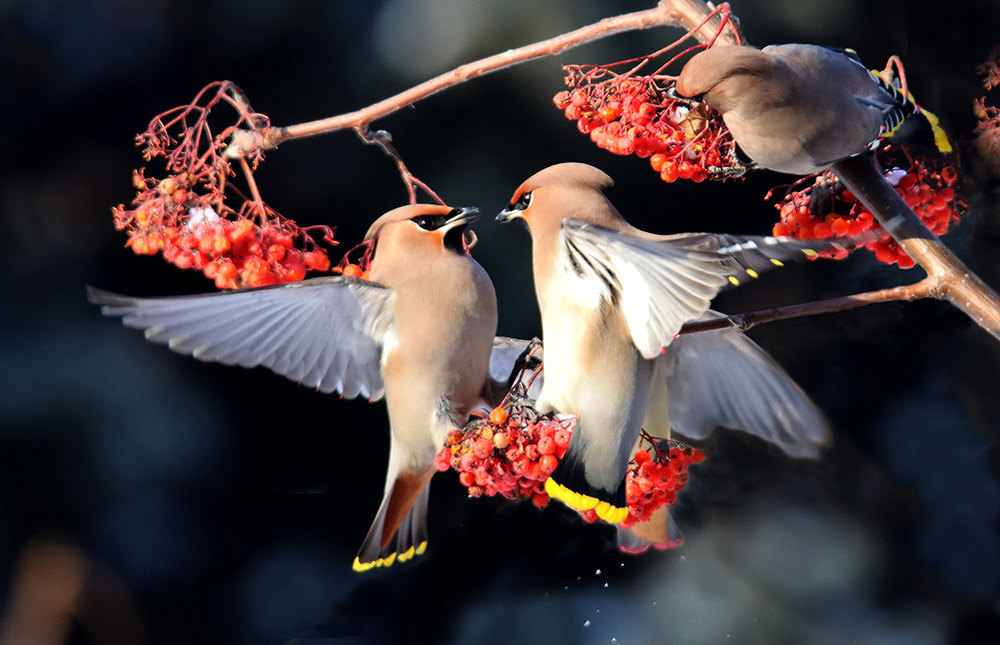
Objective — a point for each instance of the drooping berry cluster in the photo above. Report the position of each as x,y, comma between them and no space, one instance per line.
988,116
654,479
634,115
510,455
506,454
185,215
825,208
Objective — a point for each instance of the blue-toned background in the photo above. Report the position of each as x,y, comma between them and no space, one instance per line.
183,502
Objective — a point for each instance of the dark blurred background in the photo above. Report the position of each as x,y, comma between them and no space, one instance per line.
167,501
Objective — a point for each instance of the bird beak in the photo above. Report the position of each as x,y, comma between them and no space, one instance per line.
461,217
508,214
671,93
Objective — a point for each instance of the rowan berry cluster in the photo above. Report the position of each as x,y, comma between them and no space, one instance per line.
512,455
654,478
634,115
185,215
507,454
825,208
988,116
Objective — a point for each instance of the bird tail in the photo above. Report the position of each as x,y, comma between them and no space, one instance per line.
399,531
922,128
658,532
568,483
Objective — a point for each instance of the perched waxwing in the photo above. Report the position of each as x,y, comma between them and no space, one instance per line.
800,108
420,332
612,299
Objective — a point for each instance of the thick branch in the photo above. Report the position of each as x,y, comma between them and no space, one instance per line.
953,281
687,14
926,288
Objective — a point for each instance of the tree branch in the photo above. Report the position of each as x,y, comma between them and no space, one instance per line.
952,280
926,288
686,14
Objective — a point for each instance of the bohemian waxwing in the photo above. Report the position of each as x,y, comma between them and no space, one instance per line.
420,331
612,299
800,108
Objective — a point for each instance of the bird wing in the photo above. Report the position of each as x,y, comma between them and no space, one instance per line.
722,378
325,333
508,356
661,282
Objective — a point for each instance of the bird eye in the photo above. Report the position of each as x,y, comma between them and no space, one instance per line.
523,201
424,222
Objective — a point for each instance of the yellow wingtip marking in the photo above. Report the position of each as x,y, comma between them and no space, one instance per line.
406,555
777,263
752,273
733,279
604,510
810,253
420,549
388,561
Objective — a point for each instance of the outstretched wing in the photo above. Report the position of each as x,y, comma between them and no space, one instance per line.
325,333
662,282
723,379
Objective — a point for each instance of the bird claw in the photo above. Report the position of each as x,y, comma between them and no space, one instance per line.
523,404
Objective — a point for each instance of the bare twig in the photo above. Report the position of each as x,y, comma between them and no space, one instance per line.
952,280
926,288
383,140
687,14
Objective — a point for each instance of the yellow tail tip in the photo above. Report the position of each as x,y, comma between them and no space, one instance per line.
390,559
940,136
580,502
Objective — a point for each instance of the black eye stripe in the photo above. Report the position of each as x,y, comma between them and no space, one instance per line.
522,202
430,222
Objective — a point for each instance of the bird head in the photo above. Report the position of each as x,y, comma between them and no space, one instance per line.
564,190
720,75
427,228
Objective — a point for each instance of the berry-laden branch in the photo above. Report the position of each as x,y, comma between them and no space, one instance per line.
691,15
926,288
950,279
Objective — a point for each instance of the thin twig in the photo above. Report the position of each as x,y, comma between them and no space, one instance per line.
383,140
686,14
926,288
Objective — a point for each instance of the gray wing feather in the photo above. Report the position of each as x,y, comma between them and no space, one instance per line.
722,378
505,352
326,333
660,282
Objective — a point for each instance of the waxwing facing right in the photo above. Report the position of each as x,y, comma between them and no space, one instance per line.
420,332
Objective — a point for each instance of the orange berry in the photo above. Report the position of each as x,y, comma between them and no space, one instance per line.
840,226
657,161
822,229
180,196
220,244
352,271
608,113
498,416
227,270
276,252
295,272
